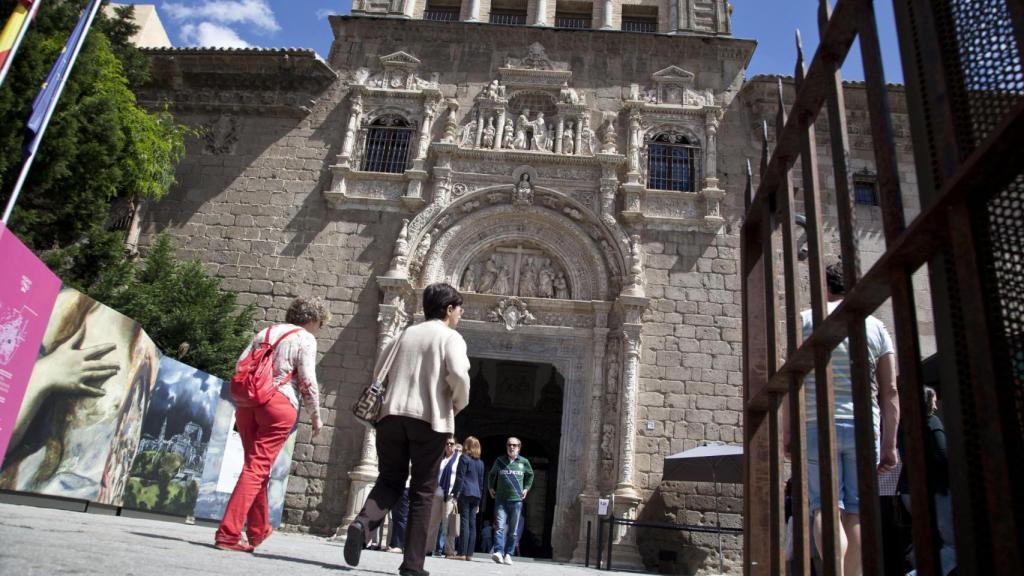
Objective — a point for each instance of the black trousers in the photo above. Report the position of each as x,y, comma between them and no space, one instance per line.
401,439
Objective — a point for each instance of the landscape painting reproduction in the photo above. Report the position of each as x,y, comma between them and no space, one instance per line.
81,418
224,459
176,431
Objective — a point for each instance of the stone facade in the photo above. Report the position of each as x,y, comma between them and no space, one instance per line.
526,183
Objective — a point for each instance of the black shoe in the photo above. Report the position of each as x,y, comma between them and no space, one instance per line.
411,572
354,543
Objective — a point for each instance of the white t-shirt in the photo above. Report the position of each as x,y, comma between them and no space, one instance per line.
879,344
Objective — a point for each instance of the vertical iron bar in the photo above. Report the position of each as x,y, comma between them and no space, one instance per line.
611,536
911,393
757,513
777,533
600,541
824,393
797,404
586,555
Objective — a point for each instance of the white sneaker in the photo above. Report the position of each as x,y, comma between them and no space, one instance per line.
508,559
496,556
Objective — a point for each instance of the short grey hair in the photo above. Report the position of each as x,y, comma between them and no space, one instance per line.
305,310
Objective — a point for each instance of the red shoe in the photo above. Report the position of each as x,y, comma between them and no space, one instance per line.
240,546
254,542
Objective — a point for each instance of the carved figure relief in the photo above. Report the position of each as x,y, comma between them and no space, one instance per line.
221,135
468,138
587,146
516,271
568,95
522,123
451,123
508,135
568,139
523,194
608,142
493,91
513,312
488,141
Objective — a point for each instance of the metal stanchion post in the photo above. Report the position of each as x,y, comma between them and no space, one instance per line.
586,555
600,541
611,538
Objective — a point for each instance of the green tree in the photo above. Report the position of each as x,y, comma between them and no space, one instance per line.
100,144
178,302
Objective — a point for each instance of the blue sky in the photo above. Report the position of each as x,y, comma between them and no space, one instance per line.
303,24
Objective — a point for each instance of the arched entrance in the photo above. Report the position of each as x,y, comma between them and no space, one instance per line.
524,400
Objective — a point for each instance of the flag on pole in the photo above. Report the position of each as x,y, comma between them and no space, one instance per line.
12,33
46,100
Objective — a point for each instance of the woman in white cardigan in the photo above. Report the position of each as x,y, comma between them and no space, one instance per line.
427,385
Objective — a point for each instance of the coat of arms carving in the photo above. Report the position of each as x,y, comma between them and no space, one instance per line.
513,312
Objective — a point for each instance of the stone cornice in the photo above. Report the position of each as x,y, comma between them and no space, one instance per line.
525,156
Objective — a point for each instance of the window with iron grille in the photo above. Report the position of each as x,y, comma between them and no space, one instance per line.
638,25
865,193
578,21
441,13
673,163
387,145
513,17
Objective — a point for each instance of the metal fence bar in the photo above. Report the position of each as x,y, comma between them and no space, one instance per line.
756,507
831,558
797,403
911,392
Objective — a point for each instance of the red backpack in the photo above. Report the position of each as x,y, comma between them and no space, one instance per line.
253,382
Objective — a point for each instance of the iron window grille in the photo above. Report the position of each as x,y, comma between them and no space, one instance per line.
387,145
442,14
639,25
577,21
865,193
673,163
511,17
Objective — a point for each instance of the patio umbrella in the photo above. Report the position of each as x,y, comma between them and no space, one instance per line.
709,463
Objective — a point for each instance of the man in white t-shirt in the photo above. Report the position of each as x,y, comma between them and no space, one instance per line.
886,416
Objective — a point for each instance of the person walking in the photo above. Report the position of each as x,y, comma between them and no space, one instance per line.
443,503
265,428
469,489
886,417
427,385
509,481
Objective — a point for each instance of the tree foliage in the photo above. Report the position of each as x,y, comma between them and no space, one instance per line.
100,144
178,302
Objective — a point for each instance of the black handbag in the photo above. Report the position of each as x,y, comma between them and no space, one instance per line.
367,407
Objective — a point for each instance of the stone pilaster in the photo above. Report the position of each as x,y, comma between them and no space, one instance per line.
606,15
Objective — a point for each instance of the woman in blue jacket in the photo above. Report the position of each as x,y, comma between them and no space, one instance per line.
468,490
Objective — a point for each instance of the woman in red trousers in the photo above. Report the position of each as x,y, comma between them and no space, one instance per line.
265,428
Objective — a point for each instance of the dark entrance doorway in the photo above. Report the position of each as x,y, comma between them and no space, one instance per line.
524,400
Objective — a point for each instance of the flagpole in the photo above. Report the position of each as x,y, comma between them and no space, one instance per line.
17,40
46,119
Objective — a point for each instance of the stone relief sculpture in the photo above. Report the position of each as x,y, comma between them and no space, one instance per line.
522,122
508,134
513,312
516,271
568,95
568,139
400,256
586,136
488,141
493,91
523,193
539,133
468,137
608,142
221,135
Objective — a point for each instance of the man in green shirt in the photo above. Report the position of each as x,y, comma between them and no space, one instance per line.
509,481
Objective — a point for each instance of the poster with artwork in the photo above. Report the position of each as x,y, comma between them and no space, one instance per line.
176,432
27,293
84,404
224,460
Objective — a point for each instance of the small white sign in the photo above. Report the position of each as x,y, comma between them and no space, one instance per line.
650,424
602,507
234,460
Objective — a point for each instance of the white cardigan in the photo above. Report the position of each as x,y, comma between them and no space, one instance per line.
429,377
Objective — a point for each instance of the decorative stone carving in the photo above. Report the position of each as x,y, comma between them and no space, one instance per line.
468,137
416,264
488,137
493,91
508,135
451,123
400,74
536,59
610,136
517,270
587,146
636,267
513,312
523,193
400,255
568,139
221,135
568,95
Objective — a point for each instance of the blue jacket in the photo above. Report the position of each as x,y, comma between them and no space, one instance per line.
469,481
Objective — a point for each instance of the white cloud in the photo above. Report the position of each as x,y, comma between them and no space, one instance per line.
211,35
323,13
256,13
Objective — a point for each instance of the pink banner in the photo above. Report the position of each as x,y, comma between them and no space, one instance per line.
28,290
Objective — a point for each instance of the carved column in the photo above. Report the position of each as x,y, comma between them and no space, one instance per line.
588,499
499,130
606,15
541,18
609,186
559,129
578,137
429,112
481,119
634,144
351,130
711,154
390,319
474,11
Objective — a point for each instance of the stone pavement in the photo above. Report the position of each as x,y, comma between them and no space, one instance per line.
43,541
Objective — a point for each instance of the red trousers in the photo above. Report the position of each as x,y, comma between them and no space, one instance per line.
264,430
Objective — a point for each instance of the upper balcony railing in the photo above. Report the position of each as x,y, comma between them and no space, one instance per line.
510,18
441,14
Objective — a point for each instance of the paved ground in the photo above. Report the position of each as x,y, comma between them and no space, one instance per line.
42,541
